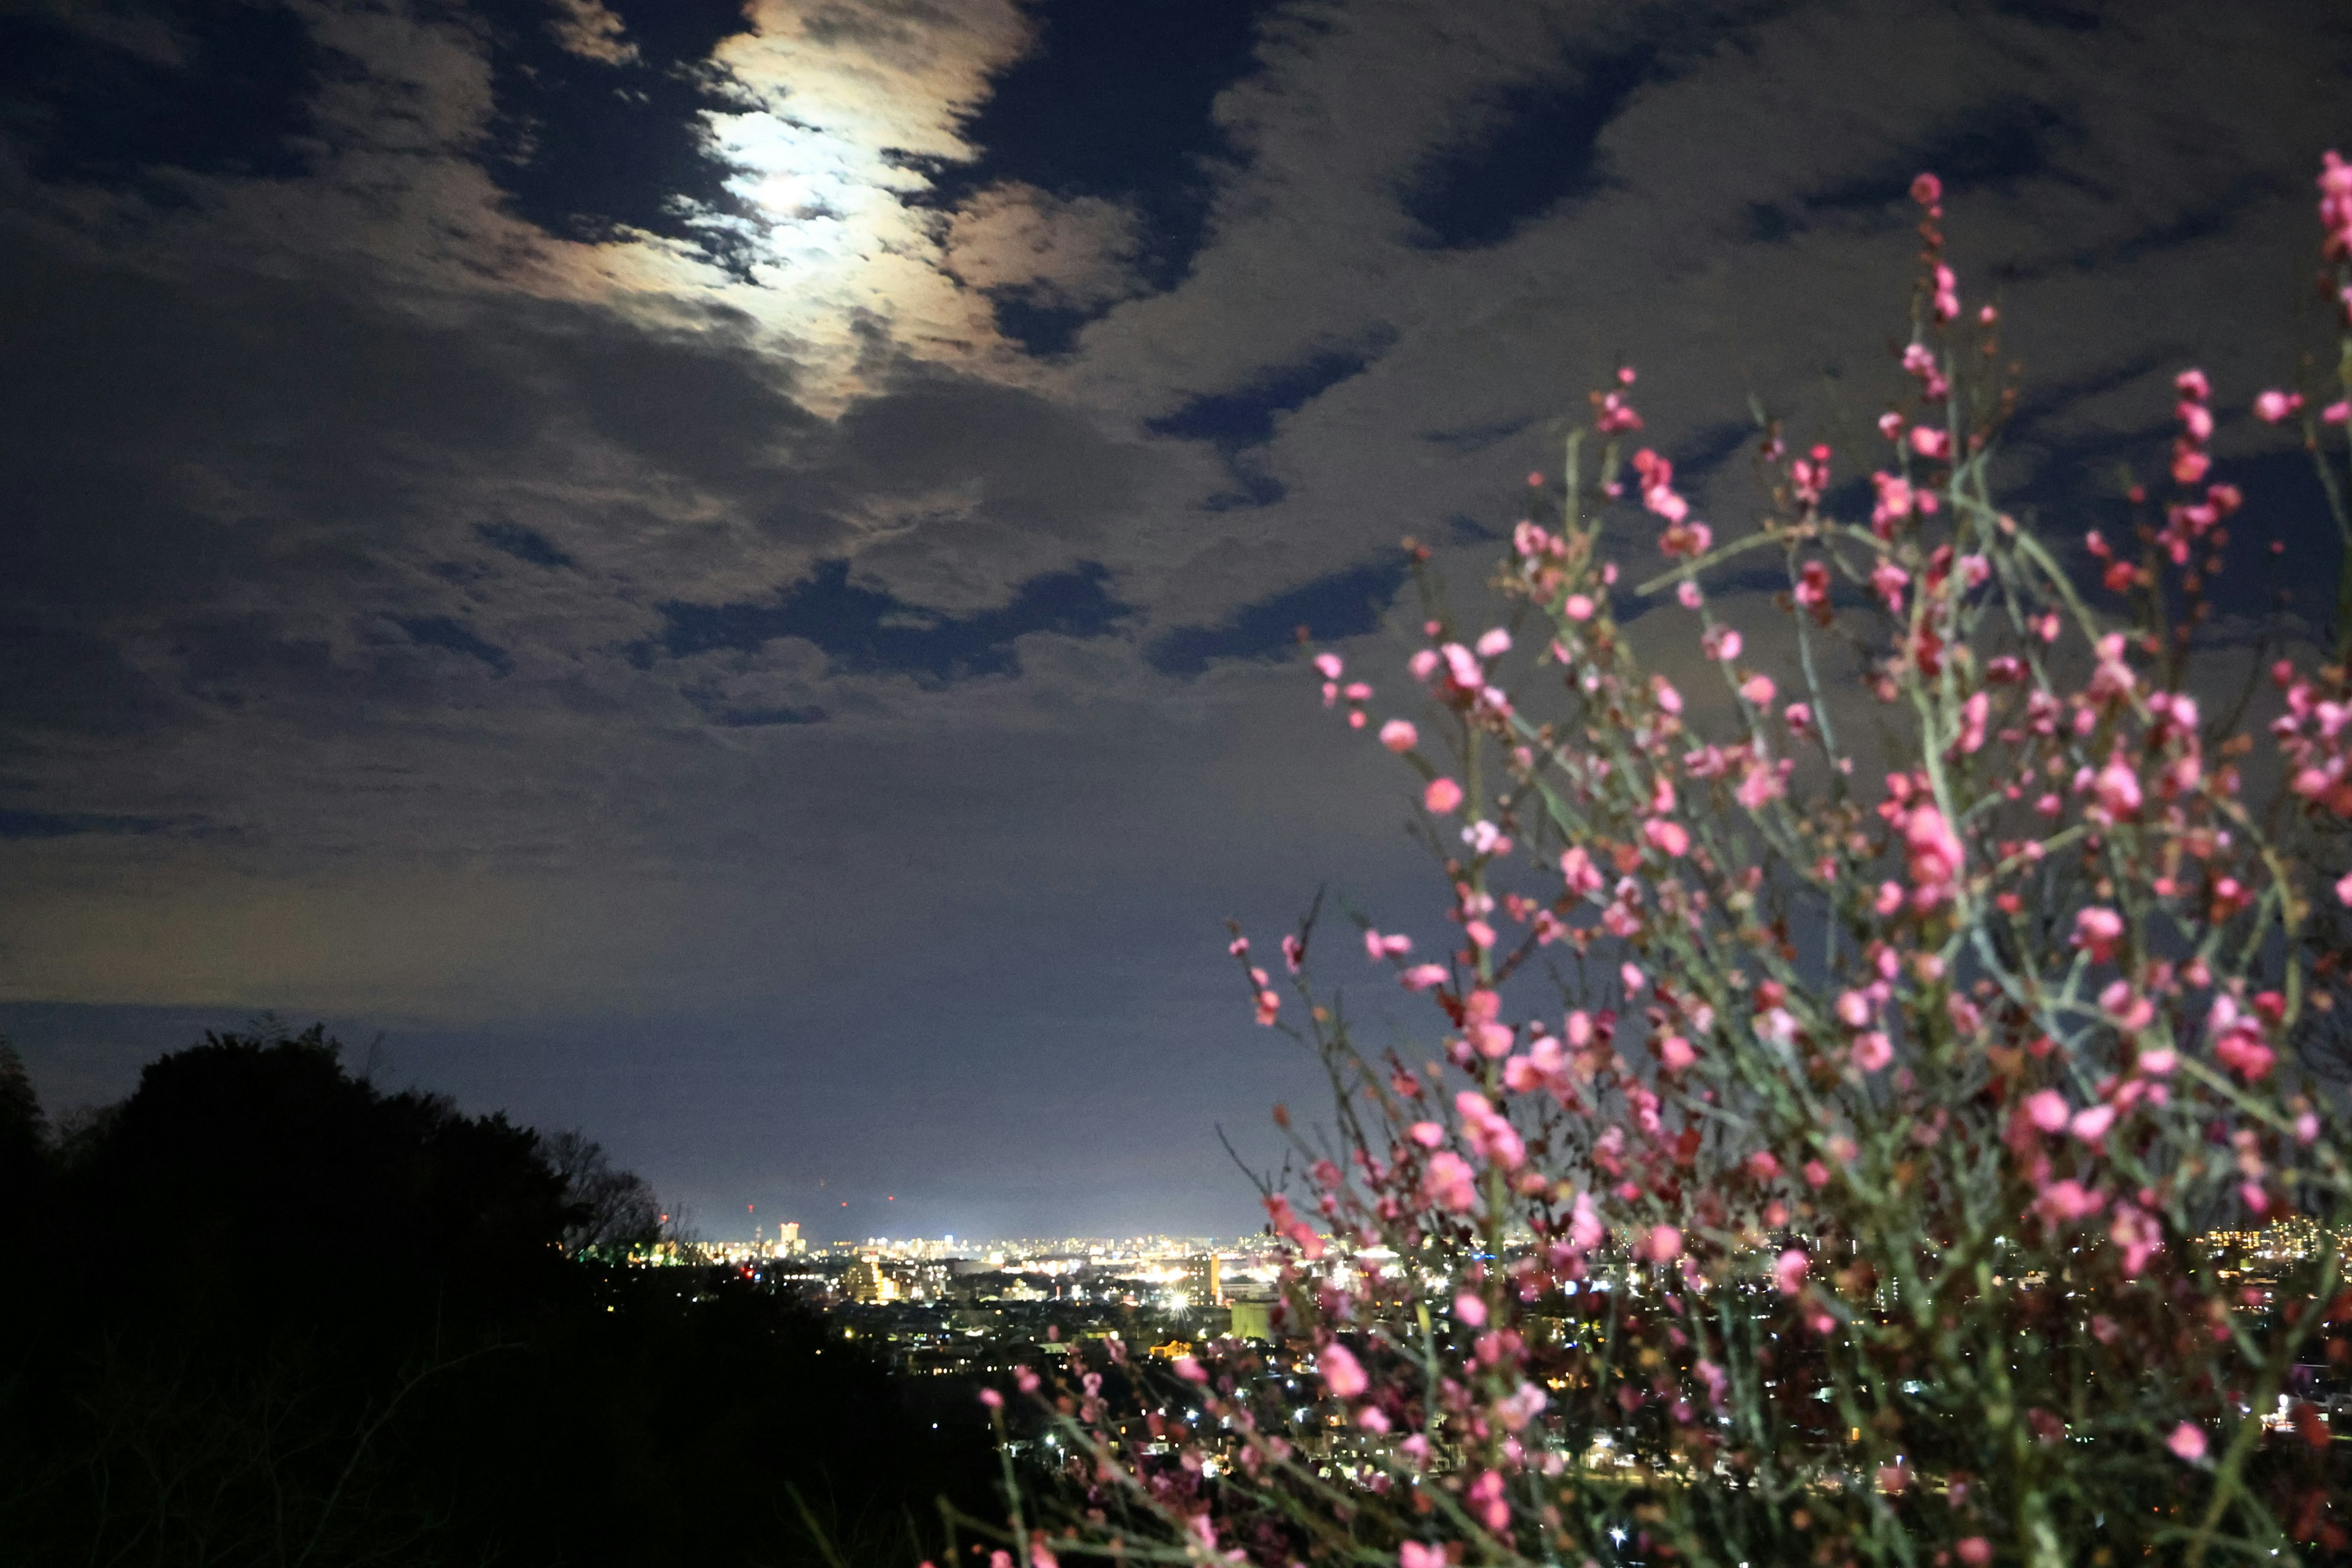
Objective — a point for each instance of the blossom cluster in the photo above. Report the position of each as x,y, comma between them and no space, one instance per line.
1815,1154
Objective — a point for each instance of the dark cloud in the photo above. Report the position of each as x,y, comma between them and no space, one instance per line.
1343,605
1534,146
1234,422
1114,102
443,632
872,632
523,543
64,680
69,824
1477,437
572,631
590,148
223,87
1992,145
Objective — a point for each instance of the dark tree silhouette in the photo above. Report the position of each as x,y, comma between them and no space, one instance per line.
277,1316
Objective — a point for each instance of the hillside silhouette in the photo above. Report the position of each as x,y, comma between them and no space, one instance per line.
263,1312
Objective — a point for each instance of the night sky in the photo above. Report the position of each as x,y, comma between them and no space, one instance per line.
725,575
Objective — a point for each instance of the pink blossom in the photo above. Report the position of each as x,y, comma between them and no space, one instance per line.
1449,1182
2118,788
2274,406
1462,667
1442,795
2335,412
1584,879
1329,664
2099,929
1800,717
1687,594
2137,1234
1578,608
1413,1555
1428,1134
1721,643
2090,1123
1585,1230
1666,837
1873,1051
1189,1369
2063,1202
1676,1054
1343,1375
1930,442
2344,887
1789,1271
1424,976
1757,689
1663,1245
1469,1311
1669,700
1974,1551
2187,1443
2048,1109
1423,664
1400,736
1494,643
1936,855
992,1399
1377,947
1888,579
1926,190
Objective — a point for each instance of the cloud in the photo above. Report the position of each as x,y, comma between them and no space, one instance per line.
817,510
868,631
592,31
1346,603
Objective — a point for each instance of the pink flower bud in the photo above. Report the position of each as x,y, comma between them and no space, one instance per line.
1789,1271
1343,1375
2274,406
2048,1109
1442,795
1400,736
2187,1443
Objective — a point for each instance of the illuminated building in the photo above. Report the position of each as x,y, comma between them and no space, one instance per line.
866,1282
1204,1280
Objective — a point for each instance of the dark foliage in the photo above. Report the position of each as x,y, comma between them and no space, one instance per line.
263,1313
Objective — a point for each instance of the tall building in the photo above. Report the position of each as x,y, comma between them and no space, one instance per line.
866,1281
1204,1280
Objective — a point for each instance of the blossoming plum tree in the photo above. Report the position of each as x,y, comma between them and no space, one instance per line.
1840,1077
